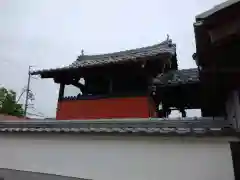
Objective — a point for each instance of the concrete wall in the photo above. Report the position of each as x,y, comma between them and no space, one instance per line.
118,158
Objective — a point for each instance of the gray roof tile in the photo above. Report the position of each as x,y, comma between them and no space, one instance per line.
186,126
176,77
166,47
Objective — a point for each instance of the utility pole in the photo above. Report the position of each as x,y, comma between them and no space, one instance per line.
27,91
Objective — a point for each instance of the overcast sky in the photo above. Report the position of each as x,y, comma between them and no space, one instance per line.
51,33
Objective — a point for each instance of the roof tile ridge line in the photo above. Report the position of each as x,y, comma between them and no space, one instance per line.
166,42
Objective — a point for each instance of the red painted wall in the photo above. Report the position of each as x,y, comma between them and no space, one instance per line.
127,107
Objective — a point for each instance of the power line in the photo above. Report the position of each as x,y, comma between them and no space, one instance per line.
32,114
34,109
23,91
38,111
29,93
36,114
36,78
28,85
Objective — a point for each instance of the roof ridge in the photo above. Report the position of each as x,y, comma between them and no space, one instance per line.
165,47
166,42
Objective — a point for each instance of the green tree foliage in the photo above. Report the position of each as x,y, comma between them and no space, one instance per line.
8,104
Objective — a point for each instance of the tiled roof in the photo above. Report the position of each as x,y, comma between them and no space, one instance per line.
217,8
187,126
177,77
166,47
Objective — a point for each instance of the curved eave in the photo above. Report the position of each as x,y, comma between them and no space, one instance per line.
50,73
217,9
163,50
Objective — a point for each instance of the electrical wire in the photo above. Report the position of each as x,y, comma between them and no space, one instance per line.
32,114
36,111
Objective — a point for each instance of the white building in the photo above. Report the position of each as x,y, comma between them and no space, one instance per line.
135,150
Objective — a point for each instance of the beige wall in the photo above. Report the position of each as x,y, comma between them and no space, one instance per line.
118,158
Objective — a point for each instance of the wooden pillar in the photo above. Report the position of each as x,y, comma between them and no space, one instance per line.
61,92
60,97
237,108
230,109
233,109
110,85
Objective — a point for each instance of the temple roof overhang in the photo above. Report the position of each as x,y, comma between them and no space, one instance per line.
177,77
217,9
217,35
165,49
178,88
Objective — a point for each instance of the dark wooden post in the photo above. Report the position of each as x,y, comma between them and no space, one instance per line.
61,91
110,85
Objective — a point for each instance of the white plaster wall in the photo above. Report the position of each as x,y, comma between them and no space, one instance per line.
118,158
